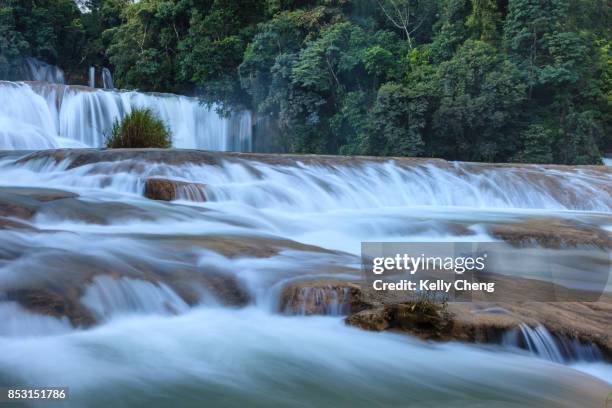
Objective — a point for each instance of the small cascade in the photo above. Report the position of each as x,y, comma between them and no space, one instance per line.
37,70
92,77
559,349
108,297
328,300
107,79
191,192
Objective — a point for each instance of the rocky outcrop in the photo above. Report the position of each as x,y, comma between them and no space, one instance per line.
168,190
51,303
484,322
426,320
487,323
551,233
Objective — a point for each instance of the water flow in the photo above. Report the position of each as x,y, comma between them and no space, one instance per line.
92,77
559,349
43,116
108,297
107,79
260,228
37,70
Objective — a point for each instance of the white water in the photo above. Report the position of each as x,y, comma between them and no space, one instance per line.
37,70
42,116
91,77
149,272
540,342
107,79
109,297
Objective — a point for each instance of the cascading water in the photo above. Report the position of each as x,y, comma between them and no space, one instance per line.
178,302
107,297
43,116
540,342
92,77
107,79
37,70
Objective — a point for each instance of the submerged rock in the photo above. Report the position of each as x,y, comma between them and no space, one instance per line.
552,233
39,194
17,206
168,190
24,202
51,303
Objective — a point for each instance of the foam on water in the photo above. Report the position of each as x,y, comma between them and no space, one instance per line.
20,323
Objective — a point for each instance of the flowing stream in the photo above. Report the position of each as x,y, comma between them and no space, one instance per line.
176,303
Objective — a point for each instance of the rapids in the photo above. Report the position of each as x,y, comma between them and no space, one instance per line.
175,303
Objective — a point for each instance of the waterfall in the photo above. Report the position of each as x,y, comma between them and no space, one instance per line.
43,116
540,342
107,79
37,70
92,77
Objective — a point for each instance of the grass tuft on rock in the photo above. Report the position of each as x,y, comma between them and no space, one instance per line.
141,128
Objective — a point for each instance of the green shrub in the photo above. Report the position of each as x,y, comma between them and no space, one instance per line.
139,129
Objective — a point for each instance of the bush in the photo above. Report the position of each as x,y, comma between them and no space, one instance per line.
139,129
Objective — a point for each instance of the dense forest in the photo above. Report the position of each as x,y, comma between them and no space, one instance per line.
479,80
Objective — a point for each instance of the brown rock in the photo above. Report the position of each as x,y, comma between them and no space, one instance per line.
50,303
39,194
168,190
551,233
486,322
16,206
372,319
7,223
423,319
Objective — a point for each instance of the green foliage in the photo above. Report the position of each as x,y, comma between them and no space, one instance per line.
214,46
50,30
397,121
139,129
536,145
481,98
519,80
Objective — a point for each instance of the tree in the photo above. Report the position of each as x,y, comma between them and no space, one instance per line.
50,30
143,50
536,145
214,46
397,123
406,15
481,98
